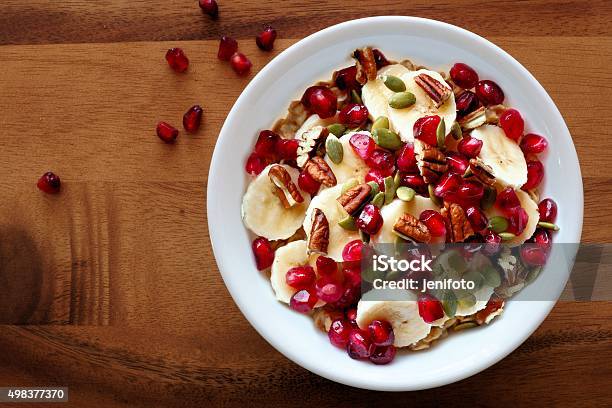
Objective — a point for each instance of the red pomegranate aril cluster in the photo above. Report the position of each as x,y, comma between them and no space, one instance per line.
339,333
353,115
263,252
370,220
425,129
209,7
303,301
193,118
166,132
320,100
382,161
240,63
406,160
177,60
381,333
463,75
346,79
300,277
469,146
265,40
430,308
49,183
227,47
466,102
548,210
512,123
489,93
308,184
457,163
478,220
434,221
535,174
363,145
533,144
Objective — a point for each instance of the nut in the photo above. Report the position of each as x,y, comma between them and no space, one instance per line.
438,92
366,65
482,172
319,170
492,113
310,142
296,116
431,161
409,227
353,199
460,227
319,233
474,119
285,189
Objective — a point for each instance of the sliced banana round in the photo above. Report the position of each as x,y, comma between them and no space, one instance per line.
531,208
503,155
482,296
327,202
264,214
401,311
351,166
312,121
376,95
391,212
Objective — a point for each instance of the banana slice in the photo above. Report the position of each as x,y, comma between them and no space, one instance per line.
376,95
312,121
391,212
531,208
351,166
327,202
402,313
481,294
263,213
502,155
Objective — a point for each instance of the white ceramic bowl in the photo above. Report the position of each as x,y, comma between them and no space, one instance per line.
436,45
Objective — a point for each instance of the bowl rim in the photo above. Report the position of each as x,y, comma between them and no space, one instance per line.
214,228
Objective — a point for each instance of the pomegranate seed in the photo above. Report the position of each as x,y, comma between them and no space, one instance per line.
363,145
470,193
349,298
49,183
359,345
425,129
469,147
328,290
209,7
266,144
177,59
346,80
406,161
300,277
265,40
308,184
320,100
466,102
448,183
264,254
192,119
535,174
435,222
166,132
457,163
533,144
370,220
381,333
326,266
339,333
414,181
542,238
513,124
379,58
240,63
548,210
255,164
352,275
430,308
489,93
477,218
463,75
517,221
492,243
382,161
507,200
286,149
303,301
376,176
227,47
353,115
533,255
383,355
352,251
351,315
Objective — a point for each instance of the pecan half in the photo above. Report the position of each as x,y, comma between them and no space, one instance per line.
319,233
438,92
366,65
409,227
431,161
474,119
482,172
355,197
285,189
319,170
309,143
460,227
296,116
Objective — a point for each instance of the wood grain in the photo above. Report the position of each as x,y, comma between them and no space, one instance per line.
111,287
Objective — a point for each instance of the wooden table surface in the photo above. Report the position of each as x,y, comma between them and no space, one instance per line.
111,287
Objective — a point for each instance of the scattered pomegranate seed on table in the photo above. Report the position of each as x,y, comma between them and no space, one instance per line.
227,47
49,183
209,7
166,132
177,60
263,252
240,63
192,119
265,40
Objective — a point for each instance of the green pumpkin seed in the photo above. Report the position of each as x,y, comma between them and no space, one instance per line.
379,199
349,184
355,98
334,149
348,223
382,122
394,83
387,139
436,200
498,224
488,198
548,225
491,277
405,194
336,129
375,188
507,236
441,134
397,180
464,326
402,100
466,300
456,131
389,189
533,274
449,303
